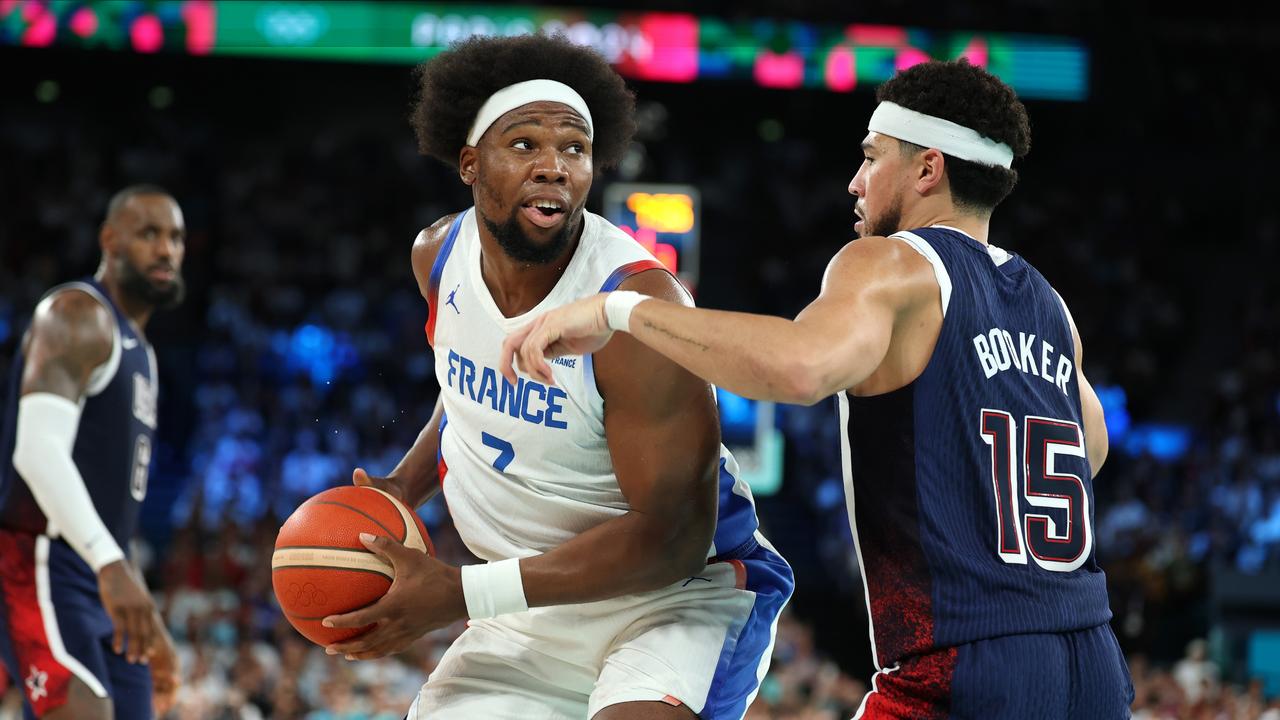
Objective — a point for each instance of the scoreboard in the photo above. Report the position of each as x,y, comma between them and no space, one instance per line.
664,219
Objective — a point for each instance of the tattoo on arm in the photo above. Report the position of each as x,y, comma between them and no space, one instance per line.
679,338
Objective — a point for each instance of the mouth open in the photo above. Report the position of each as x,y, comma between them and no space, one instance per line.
544,213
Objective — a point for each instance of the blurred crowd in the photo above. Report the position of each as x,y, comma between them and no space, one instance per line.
299,354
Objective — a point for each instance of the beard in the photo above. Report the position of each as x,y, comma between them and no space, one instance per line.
520,247
888,223
164,296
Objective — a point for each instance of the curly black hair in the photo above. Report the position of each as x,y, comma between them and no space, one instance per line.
454,84
970,96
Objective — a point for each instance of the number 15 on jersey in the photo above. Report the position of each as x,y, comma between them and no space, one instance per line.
1060,541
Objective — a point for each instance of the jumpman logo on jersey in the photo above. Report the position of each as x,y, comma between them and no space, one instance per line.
35,684
450,301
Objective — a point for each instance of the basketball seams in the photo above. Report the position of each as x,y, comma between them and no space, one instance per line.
413,540
371,518
371,571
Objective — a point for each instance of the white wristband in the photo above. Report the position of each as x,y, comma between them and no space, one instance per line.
493,589
618,306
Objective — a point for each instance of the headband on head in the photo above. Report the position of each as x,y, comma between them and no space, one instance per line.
934,132
522,93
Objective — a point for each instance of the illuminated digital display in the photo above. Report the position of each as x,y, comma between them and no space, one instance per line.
662,218
660,47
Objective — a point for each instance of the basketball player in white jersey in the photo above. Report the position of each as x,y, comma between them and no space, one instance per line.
626,576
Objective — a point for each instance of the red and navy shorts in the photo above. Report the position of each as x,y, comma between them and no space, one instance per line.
1078,675
53,628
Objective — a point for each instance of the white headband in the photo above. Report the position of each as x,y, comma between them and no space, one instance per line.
934,132
522,93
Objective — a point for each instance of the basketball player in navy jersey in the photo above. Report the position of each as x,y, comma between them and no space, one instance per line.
970,435
79,632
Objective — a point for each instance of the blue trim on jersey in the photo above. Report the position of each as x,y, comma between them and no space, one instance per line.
437,268
735,682
444,422
589,373
736,523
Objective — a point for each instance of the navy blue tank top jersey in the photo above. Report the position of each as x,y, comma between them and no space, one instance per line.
969,490
114,441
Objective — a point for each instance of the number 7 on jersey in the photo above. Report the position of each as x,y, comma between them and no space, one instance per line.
506,453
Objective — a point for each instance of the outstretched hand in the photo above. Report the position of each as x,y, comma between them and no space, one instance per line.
578,328
425,595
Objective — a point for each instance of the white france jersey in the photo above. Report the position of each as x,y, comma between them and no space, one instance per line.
525,468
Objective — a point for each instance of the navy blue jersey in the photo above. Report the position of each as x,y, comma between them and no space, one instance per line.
115,438
969,489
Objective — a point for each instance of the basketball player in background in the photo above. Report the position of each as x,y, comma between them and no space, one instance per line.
969,433
626,575
79,633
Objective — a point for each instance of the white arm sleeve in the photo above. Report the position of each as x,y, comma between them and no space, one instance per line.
46,434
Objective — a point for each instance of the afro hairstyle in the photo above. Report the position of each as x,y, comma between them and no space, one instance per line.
970,96
453,85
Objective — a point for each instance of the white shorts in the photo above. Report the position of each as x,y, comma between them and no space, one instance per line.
704,642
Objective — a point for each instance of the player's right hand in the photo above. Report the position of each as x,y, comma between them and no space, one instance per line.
388,485
131,610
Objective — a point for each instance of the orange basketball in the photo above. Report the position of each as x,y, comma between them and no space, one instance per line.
321,568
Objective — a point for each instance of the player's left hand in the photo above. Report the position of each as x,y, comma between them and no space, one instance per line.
578,328
166,670
425,595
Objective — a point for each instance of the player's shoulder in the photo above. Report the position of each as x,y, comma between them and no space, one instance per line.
658,283
75,317
427,245
429,240
888,258
886,268
75,305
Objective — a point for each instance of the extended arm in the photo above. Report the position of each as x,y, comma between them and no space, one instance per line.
833,344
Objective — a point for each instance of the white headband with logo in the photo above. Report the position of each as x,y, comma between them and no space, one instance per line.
933,132
522,93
